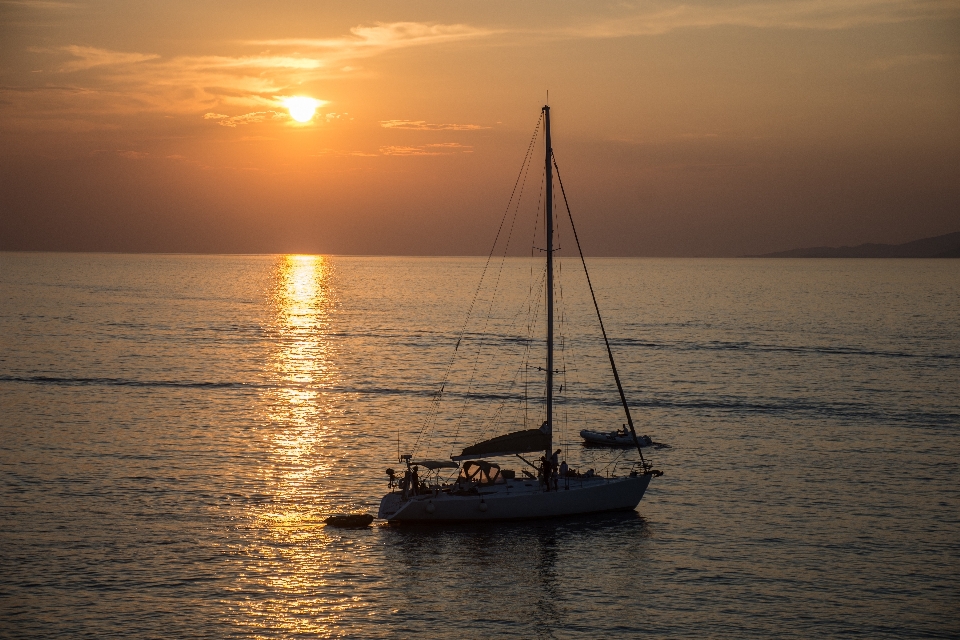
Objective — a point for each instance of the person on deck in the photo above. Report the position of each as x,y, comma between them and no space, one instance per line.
554,465
415,481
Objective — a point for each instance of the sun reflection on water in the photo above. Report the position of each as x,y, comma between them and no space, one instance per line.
283,588
302,361
301,364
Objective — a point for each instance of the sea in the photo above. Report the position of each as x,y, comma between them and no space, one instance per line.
174,429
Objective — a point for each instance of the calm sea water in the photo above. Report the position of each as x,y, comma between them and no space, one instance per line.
174,429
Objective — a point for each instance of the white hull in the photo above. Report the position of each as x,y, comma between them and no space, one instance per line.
519,500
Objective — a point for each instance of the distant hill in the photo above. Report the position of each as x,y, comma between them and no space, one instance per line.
945,246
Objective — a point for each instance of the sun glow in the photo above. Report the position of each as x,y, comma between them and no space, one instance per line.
302,108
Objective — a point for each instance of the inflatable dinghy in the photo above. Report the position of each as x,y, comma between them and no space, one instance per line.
349,520
613,438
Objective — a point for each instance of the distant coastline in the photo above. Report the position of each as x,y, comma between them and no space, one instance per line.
945,246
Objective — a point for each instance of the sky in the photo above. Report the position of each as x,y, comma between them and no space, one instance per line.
719,128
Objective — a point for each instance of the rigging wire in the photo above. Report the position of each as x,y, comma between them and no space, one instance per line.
504,385
430,419
486,321
561,320
507,392
530,314
613,365
533,312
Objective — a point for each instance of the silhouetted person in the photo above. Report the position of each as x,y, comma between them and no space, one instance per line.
415,481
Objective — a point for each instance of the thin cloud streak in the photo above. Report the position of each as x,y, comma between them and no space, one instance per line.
885,64
246,118
436,149
366,41
39,4
90,57
661,18
422,125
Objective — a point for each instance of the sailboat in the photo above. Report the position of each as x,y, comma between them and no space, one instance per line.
483,490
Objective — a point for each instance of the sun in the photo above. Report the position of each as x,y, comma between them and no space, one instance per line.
301,108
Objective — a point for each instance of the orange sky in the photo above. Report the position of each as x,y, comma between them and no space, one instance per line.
695,128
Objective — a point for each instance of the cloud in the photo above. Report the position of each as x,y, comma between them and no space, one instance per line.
249,62
883,64
39,4
365,41
343,153
103,82
662,17
90,57
451,145
422,125
246,118
90,83
407,151
437,149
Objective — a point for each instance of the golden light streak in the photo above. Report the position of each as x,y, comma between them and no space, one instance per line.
286,545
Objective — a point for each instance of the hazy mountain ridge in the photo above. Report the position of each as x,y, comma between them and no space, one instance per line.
945,246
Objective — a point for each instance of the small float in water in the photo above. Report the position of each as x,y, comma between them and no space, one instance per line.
349,520
619,438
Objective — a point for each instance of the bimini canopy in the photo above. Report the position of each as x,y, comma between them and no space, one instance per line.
435,464
481,472
507,445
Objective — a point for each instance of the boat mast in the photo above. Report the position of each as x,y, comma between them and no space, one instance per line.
549,225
